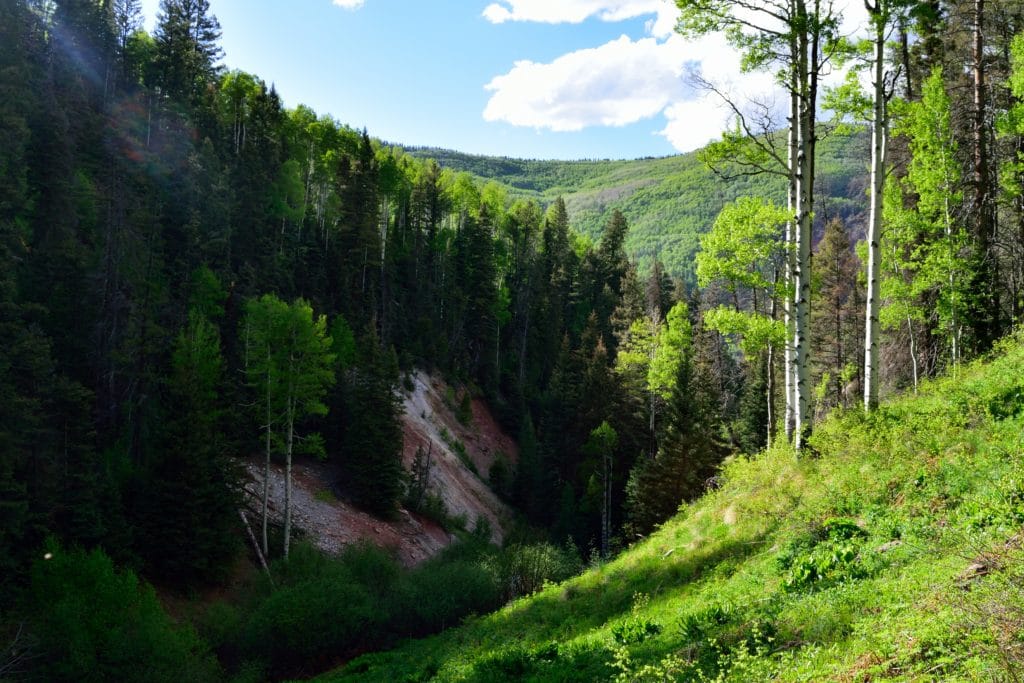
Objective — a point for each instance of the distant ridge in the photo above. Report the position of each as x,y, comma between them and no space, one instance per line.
669,201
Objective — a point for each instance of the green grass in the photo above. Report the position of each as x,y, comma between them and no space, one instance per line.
852,564
668,201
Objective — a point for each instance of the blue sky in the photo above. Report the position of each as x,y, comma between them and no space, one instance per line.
562,79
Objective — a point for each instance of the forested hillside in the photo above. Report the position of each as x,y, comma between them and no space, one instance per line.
201,285
669,202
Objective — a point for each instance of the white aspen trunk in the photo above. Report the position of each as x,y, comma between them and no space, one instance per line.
256,546
954,324
288,477
879,135
770,391
787,306
805,196
266,462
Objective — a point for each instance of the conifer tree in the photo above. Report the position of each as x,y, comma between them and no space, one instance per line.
186,48
837,318
190,506
372,441
689,450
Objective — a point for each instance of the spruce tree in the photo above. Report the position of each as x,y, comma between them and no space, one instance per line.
190,512
186,48
372,445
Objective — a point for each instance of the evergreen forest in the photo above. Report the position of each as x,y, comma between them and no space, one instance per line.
761,394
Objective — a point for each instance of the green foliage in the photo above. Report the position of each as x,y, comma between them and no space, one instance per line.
928,267
671,349
316,596
743,245
755,331
745,253
794,569
830,554
668,202
636,628
372,436
465,411
94,623
525,569
188,514
1007,404
425,603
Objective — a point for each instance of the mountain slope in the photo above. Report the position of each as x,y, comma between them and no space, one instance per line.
668,201
894,553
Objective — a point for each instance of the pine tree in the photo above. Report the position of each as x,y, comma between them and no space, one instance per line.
186,49
690,448
372,439
837,318
192,495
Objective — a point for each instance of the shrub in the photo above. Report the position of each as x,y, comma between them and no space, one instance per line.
94,623
699,626
465,411
440,593
371,567
829,555
322,607
524,569
312,620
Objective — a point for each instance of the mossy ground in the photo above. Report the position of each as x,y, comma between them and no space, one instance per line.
891,553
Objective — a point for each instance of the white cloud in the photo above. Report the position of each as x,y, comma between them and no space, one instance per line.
349,4
622,82
625,81
618,83
694,123
576,11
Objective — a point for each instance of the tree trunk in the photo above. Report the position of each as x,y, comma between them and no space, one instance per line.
807,51
787,307
986,317
878,159
288,476
770,391
266,464
256,546
913,350
606,504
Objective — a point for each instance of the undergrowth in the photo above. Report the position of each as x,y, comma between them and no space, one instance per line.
893,553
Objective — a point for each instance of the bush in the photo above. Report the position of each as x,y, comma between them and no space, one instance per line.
312,620
636,628
371,567
524,569
440,593
322,607
94,623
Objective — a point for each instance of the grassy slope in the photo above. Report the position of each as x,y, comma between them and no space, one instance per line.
935,481
669,201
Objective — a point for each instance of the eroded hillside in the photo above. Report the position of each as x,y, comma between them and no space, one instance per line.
462,453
